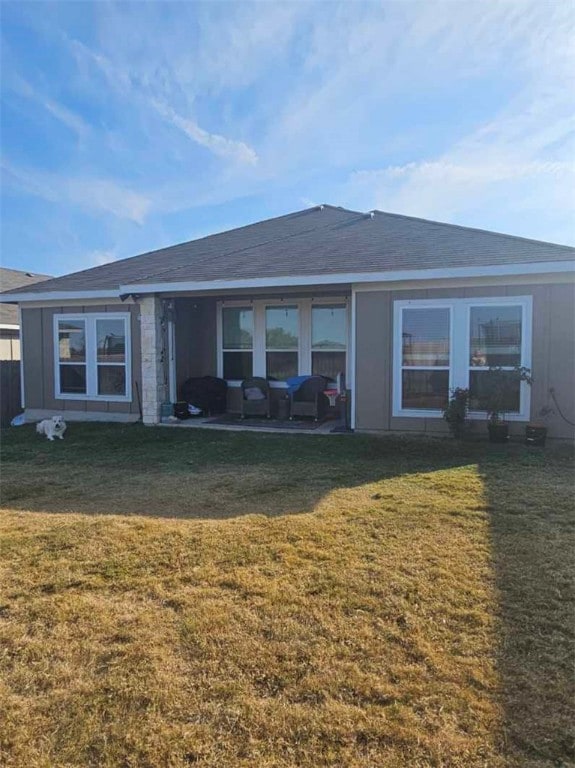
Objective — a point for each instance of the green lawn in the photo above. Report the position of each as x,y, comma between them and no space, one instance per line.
176,598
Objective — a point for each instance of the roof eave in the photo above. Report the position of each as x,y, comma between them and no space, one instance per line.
284,281
25,296
497,270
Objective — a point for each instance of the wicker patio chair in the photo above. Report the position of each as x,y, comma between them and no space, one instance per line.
309,399
253,404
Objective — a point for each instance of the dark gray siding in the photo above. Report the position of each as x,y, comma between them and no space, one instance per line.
196,339
553,355
38,359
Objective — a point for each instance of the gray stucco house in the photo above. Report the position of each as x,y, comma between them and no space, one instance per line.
407,308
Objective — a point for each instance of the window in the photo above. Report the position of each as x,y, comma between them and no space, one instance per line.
425,351
446,343
328,339
494,340
282,342
278,340
237,342
111,357
92,357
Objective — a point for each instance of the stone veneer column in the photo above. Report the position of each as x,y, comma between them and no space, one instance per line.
153,379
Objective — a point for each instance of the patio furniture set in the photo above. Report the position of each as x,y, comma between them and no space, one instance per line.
308,397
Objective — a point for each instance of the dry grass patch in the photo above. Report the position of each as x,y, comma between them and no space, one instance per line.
406,617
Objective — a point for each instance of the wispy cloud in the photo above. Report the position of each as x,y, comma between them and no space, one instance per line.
219,145
517,166
425,188
137,88
520,155
66,116
92,194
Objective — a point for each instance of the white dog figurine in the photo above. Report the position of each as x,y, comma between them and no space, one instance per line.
54,427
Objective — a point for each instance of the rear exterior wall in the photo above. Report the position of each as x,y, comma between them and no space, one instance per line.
38,364
552,362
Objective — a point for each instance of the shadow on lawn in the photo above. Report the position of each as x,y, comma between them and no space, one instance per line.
201,473
531,529
529,505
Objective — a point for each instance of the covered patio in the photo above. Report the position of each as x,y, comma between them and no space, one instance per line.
277,338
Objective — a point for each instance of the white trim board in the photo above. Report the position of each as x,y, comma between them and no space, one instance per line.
22,387
16,298
114,302
353,356
9,327
497,270
37,414
469,282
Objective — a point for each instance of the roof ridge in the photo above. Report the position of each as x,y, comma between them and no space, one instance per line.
474,229
250,247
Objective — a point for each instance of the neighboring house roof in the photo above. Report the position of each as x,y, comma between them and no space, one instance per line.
11,279
318,241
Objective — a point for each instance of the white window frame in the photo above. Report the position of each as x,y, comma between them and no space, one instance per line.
459,349
259,341
90,319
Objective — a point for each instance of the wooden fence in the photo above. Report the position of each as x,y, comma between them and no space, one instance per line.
9,391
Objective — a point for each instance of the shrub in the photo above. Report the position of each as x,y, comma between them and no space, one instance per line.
455,412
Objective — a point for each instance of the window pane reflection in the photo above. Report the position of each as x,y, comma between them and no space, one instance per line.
425,337
281,365
427,390
282,328
111,380
111,340
495,336
237,365
73,379
72,340
479,391
329,327
237,327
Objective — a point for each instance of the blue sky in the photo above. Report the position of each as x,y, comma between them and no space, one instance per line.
131,126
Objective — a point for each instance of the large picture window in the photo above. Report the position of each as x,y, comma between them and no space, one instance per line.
92,357
443,344
279,339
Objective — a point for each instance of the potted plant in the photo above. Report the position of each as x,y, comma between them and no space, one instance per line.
535,431
500,385
455,412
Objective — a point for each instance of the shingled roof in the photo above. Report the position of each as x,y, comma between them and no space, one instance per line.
325,240
11,279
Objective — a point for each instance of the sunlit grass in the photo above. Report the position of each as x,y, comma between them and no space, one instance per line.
383,623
